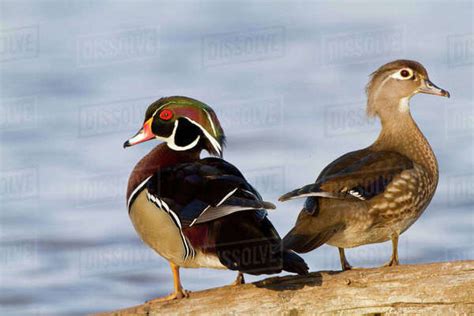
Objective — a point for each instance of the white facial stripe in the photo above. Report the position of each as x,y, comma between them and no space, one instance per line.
158,109
212,122
207,114
213,141
170,140
162,106
173,145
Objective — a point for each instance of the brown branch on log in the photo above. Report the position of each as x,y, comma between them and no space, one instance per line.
431,289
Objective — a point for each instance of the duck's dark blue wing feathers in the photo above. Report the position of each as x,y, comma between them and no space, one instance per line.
205,190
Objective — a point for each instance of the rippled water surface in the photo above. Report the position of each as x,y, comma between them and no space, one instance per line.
287,81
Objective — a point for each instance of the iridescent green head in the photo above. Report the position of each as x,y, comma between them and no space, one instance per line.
183,123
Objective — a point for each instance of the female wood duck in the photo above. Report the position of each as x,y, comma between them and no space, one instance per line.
374,194
199,212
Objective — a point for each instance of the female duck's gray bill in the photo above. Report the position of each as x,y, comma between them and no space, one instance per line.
430,88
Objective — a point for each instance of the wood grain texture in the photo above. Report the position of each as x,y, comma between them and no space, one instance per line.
426,289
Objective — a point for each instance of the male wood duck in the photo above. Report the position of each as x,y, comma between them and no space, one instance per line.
200,212
374,194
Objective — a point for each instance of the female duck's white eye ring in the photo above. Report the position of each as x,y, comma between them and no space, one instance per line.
403,74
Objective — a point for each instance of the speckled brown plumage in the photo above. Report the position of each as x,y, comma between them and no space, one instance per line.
374,194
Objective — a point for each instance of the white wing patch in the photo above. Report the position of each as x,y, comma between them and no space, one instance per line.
216,212
228,195
330,195
356,194
251,193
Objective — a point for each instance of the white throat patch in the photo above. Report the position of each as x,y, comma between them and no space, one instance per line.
170,140
404,105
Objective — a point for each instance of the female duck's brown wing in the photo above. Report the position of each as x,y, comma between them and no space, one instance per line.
359,175
353,179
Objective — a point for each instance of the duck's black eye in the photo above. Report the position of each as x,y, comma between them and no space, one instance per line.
404,73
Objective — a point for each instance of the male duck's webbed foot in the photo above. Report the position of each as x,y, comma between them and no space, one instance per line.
179,291
182,293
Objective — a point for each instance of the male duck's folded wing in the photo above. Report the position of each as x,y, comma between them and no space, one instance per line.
205,190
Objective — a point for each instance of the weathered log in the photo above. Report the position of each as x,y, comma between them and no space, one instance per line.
429,289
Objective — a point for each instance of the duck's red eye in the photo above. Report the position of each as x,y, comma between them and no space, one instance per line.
405,73
166,115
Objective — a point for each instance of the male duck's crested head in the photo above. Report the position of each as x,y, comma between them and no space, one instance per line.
183,123
393,84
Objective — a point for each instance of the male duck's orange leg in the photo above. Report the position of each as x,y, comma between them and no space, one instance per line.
179,292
